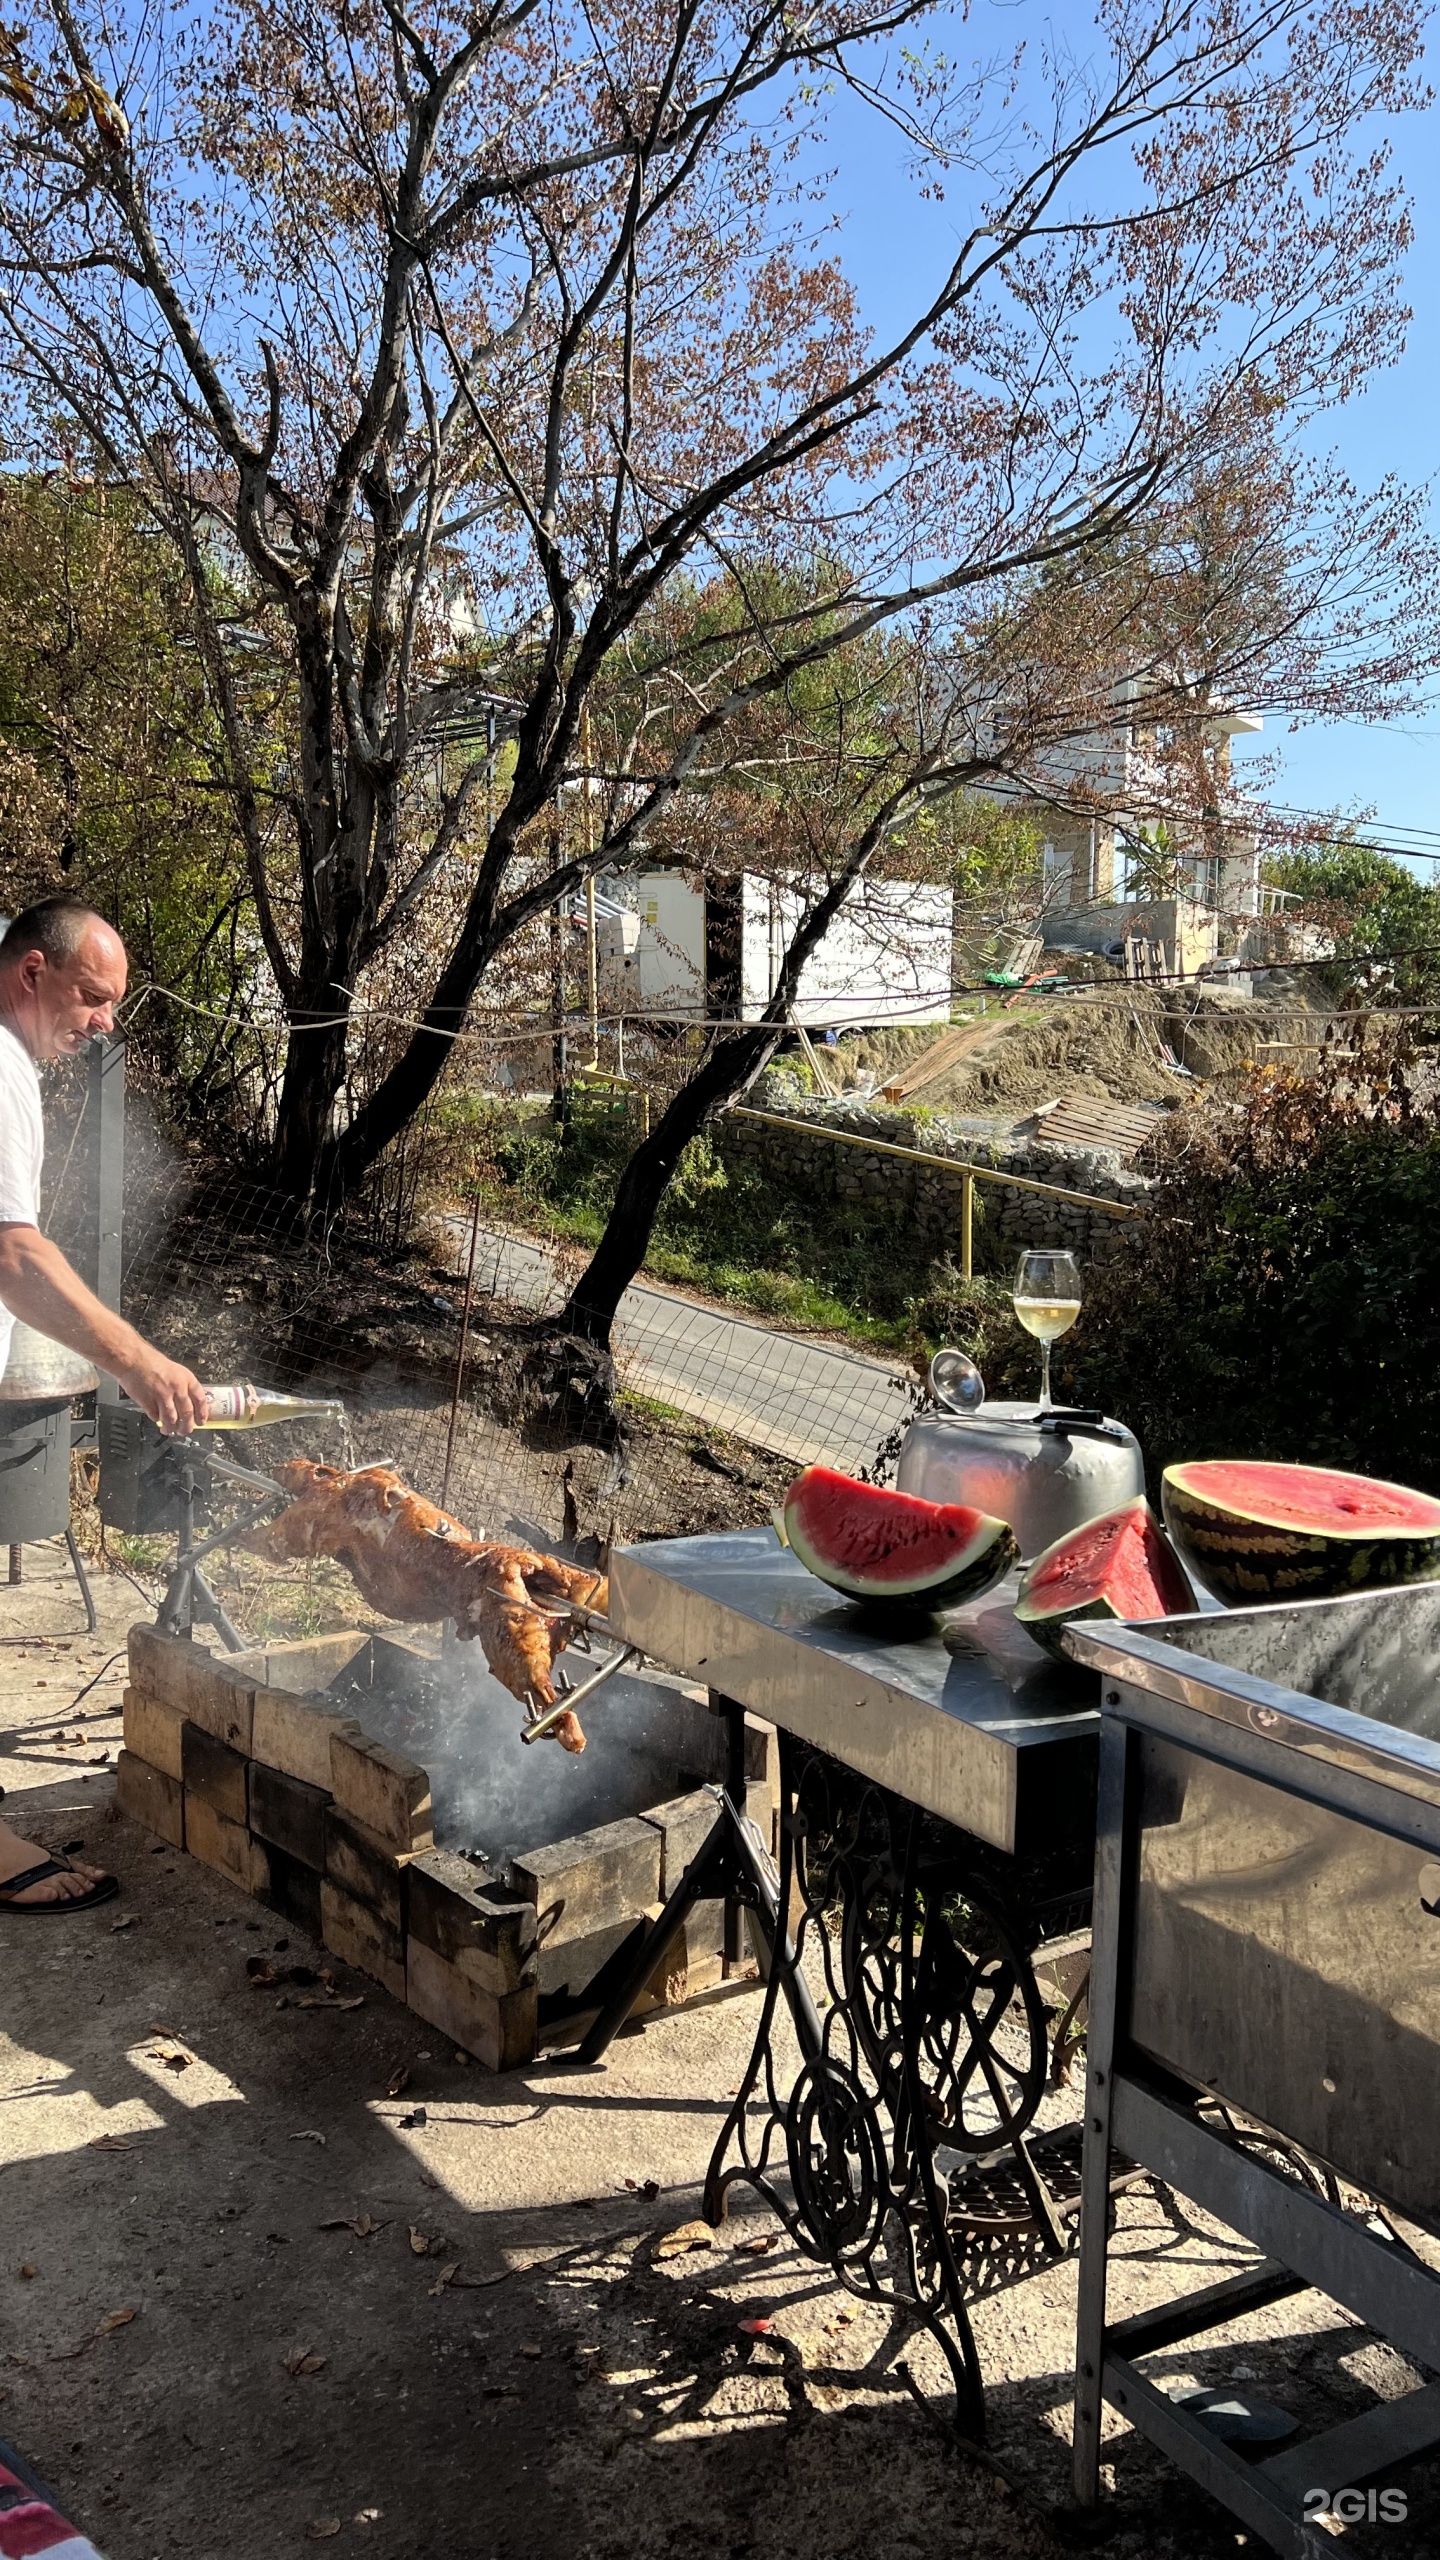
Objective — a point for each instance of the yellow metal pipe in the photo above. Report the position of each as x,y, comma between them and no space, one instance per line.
967,1225
946,1164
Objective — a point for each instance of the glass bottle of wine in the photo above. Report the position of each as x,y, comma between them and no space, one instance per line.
241,1407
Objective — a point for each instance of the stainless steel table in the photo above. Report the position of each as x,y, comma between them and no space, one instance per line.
1265,2030
936,1848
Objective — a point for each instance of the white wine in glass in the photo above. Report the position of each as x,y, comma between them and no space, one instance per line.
1047,1302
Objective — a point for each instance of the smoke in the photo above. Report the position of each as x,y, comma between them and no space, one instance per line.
496,1796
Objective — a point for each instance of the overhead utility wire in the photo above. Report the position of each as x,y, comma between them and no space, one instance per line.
1120,990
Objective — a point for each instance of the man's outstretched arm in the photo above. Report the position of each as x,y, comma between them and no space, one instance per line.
38,1285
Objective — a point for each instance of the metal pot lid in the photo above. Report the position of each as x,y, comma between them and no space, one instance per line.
39,1368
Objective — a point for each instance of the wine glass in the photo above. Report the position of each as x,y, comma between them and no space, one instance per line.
1047,1302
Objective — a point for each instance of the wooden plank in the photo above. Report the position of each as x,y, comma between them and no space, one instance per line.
226,1846
358,1935
292,1733
386,1792
288,1814
294,1891
152,1731
367,1868
483,1931
151,1796
499,2029
592,1880
184,1675
214,1773
1081,1120
953,1045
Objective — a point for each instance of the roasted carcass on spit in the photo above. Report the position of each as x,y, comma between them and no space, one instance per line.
413,1561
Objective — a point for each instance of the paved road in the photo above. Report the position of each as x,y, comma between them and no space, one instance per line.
804,1400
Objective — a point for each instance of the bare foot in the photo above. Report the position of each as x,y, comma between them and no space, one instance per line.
16,1855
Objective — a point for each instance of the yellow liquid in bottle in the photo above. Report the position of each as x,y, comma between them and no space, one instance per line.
241,1407
1047,1318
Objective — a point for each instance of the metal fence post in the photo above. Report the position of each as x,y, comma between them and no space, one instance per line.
105,1106
967,1224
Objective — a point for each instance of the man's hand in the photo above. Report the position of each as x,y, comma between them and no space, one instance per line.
166,1391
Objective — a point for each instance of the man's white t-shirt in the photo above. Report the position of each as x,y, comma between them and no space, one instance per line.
22,1152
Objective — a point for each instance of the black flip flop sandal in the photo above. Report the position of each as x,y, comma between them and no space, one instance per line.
104,1891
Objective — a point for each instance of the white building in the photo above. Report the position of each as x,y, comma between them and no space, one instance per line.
669,946
1090,862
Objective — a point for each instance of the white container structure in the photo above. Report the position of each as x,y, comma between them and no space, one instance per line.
886,958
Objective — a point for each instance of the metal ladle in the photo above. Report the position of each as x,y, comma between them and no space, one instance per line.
956,1383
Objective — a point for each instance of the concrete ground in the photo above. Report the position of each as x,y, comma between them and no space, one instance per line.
255,2292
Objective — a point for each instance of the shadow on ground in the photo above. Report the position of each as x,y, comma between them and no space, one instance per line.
473,2337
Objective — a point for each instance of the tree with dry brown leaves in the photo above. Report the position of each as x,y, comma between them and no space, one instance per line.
444,342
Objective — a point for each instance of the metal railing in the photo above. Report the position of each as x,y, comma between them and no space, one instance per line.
969,1174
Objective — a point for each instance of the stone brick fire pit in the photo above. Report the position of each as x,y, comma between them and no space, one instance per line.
282,1769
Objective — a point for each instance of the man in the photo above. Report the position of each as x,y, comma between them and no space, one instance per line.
62,973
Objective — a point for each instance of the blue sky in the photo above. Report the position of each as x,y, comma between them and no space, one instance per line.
889,239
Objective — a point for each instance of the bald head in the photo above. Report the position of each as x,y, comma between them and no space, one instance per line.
62,973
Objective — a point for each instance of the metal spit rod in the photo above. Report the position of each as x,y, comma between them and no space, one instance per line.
567,1698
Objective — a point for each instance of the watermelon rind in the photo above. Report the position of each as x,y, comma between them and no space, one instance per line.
1042,1607
952,1572
1243,1556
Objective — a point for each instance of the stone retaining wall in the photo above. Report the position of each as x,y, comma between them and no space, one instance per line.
803,1159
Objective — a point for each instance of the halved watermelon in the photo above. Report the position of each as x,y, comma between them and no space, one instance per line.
1257,1530
882,1546
1119,1566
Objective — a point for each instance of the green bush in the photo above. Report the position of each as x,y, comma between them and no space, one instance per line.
1281,1302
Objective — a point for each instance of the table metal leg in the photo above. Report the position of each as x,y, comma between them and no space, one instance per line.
81,1576
1095,2157
732,1861
735,1789
841,2138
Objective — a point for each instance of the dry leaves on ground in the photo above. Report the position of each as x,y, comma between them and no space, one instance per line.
360,2223
113,2320
446,2276
399,2079
308,2136
304,2360
690,2235
111,2142
129,1922
419,2242
321,2528
649,2188
756,2247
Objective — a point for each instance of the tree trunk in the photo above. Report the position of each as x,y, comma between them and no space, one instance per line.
732,1065
314,1074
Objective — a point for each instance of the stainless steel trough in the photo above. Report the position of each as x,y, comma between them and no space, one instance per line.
1267,1932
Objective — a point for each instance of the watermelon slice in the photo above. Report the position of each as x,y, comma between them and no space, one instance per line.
1119,1566
1256,1530
882,1546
